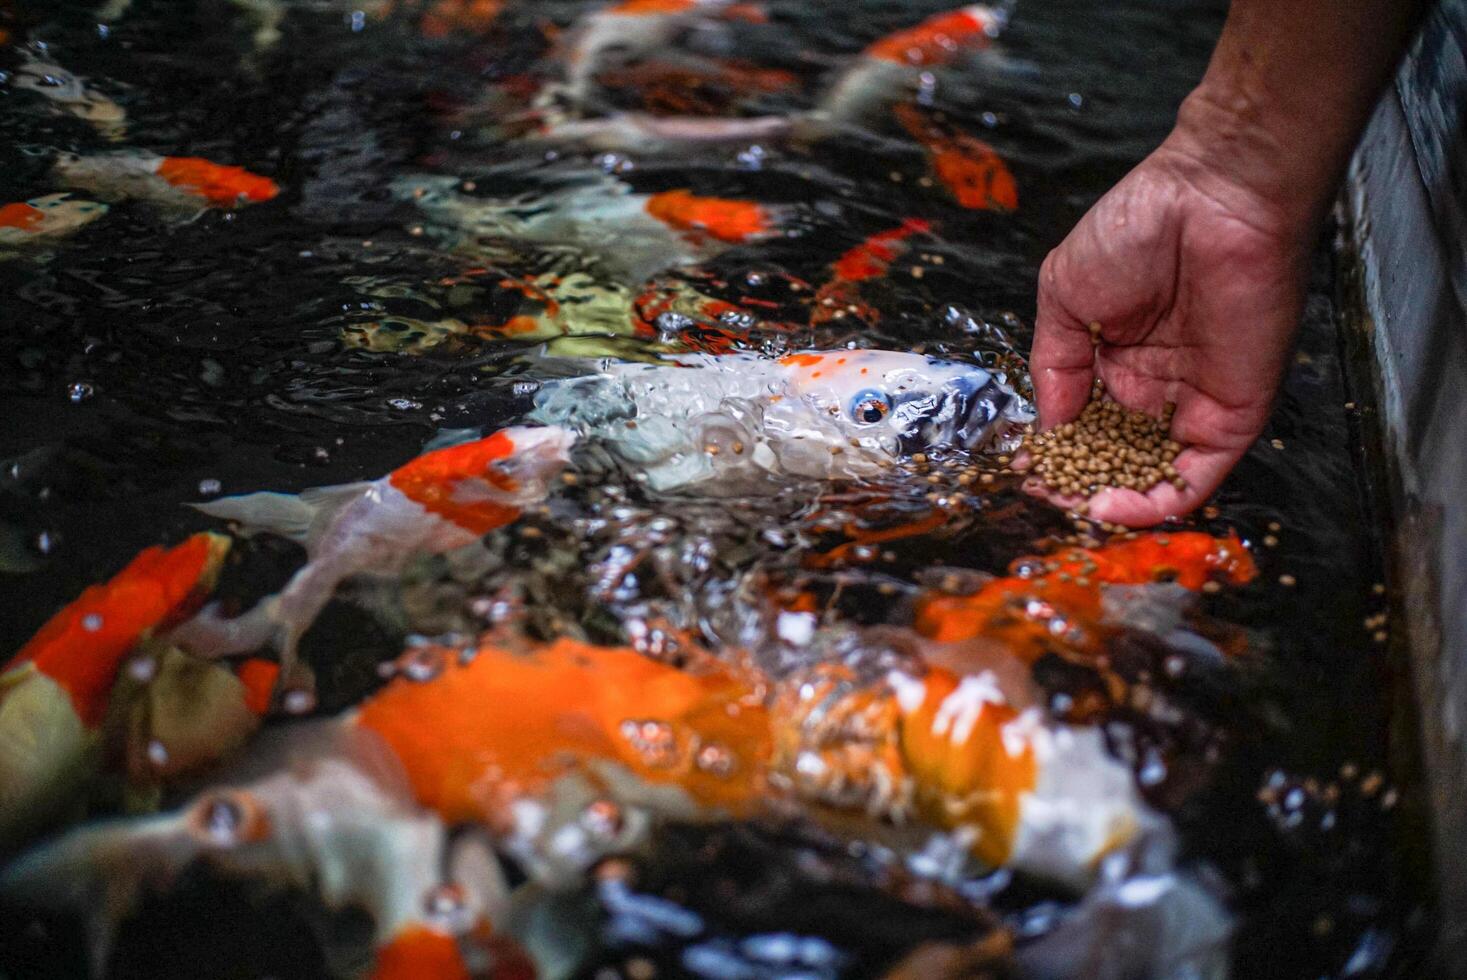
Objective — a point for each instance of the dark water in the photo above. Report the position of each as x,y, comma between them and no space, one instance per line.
148,355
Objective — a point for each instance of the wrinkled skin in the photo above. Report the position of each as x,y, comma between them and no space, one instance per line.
1198,290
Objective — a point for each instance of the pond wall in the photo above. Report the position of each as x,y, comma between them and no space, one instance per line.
1406,252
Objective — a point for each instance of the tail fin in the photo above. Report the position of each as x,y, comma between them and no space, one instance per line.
295,516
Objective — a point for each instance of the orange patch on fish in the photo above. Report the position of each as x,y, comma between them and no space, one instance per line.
219,184
1018,610
937,39
481,735
802,360
258,677
966,775
643,8
970,169
419,952
435,480
725,219
875,255
81,647
20,215
446,17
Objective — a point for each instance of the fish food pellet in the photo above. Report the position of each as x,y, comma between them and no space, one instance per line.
1107,446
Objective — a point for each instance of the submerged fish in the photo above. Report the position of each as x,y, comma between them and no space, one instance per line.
970,169
624,236
567,752
54,692
183,183
840,295
627,27
71,94
46,219
442,500
884,72
736,417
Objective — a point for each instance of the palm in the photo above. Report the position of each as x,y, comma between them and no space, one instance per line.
1198,299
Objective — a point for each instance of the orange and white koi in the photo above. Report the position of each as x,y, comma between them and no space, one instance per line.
965,752
621,236
181,183
743,417
971,170
71,94
46,219
882,73
840,295
630,27
694,88
563,753
444,499
54,692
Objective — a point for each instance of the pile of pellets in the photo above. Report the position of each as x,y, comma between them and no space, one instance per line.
1107,446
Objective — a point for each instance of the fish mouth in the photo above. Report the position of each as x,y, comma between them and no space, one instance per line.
963,414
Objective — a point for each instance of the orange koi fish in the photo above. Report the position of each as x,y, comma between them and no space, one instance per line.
1058,607
970,169
694,89
442,500
45,219
725,219
561,751
54,692
881,73
869,260
185,183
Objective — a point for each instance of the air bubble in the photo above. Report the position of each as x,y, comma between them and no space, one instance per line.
80,391
91,622
209,487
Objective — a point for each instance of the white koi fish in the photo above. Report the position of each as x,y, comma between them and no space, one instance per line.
841,414
442,500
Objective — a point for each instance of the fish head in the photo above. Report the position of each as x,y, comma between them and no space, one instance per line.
889,403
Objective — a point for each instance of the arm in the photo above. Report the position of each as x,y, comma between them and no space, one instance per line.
1195,263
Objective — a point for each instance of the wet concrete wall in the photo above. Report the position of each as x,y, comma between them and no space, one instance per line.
1407,220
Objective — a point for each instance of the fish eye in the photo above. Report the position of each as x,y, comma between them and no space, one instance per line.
870,406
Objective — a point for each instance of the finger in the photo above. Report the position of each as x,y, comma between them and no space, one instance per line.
1062,363
1202,470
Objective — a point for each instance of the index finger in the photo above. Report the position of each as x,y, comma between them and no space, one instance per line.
1062,362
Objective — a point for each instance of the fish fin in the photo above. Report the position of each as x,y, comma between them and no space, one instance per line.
211,636
284,514
295,516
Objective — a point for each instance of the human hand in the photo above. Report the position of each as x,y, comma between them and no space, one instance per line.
1197,283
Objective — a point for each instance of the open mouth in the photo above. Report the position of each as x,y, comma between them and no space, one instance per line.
961,415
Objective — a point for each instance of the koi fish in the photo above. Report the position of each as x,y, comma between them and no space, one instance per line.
889,65
184,183
969,753
444,499
71,94
840,295
581,746
1058,603
970,169
54,692
627,237
645,133
631,27
737,417
45,219
694,88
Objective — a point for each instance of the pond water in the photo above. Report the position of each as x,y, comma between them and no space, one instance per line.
427,240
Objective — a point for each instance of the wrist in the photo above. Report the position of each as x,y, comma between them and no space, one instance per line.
1239,148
